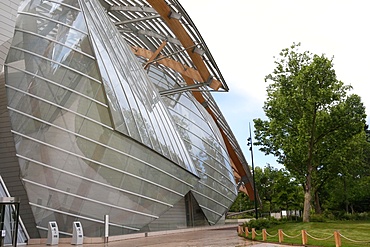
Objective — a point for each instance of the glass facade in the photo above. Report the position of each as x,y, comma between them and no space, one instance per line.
76,159
94,136
216,188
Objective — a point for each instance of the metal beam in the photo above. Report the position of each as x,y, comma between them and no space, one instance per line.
182,89
169,55
137,20
132,8
159,36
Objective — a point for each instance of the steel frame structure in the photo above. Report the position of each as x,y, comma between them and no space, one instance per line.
162,33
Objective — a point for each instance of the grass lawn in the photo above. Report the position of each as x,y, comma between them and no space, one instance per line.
353,230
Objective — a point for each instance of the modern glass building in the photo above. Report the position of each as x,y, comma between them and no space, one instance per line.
106,109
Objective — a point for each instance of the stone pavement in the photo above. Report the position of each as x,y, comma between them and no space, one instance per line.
225,236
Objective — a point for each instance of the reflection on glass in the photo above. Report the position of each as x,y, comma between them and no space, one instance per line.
61,101
217,190
146,118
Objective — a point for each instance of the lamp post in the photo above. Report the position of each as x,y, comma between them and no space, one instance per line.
250,143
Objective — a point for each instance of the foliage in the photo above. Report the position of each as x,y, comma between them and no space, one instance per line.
262,223
344,216
241,203
341,185
277,189
317,218
310,119
348,191
265,223
247,215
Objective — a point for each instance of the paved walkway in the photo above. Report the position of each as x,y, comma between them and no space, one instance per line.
210,237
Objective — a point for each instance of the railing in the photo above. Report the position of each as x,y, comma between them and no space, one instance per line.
304,235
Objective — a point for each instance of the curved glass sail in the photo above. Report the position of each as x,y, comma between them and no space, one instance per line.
77,161
216,190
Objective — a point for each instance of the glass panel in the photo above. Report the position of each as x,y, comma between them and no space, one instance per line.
136,91
58,13
204,142
68,203
62,76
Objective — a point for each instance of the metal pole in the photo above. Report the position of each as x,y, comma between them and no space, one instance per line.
2,218
254,181
15,237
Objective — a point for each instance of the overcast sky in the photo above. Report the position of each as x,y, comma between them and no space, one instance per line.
244,35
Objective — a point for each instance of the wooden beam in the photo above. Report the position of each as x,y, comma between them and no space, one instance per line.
176,27
155,54
177,66
170,63
215,84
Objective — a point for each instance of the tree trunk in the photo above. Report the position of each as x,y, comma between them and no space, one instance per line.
307,206
317,203
345,194
307,197
308,185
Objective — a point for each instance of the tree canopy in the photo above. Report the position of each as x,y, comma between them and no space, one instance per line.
311,117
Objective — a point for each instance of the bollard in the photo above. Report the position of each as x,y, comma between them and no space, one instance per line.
304,237
281,236
264,235
253,233
338,242
239,230
246,231
2,237
106,228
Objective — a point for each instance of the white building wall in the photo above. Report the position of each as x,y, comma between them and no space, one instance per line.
8,13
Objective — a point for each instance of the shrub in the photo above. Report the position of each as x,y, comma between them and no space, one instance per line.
348,216
362,216
258,224
317,218
262,223
329,215
342,215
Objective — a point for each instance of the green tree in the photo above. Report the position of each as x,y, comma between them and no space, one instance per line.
278,189
367,133
289,194
309,115
241,203
265,186
346,163
349,190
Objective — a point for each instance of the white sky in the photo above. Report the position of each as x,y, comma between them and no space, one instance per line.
244,35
